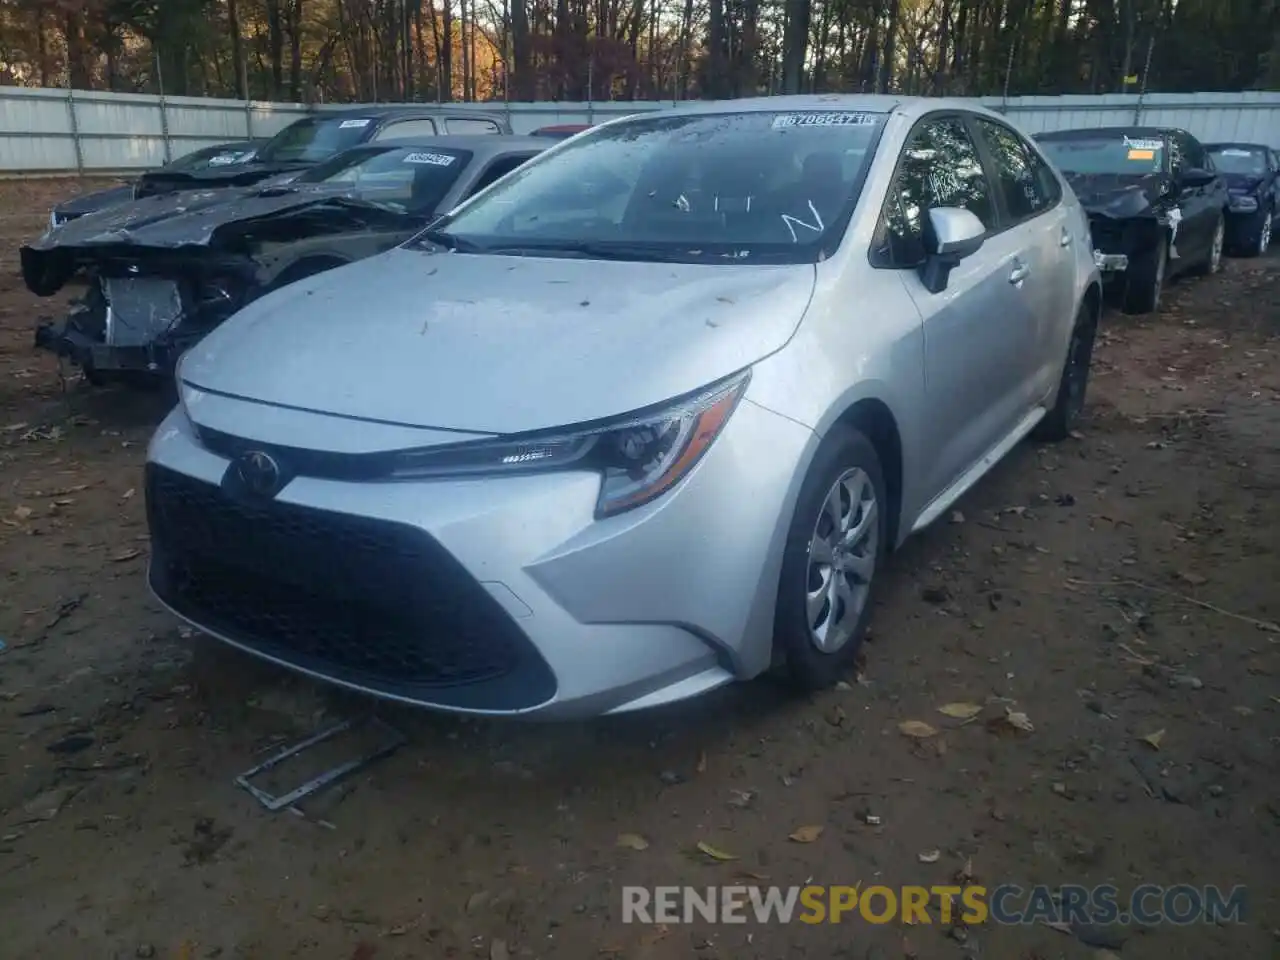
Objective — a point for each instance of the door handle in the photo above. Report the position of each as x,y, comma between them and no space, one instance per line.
1064,240
1020,272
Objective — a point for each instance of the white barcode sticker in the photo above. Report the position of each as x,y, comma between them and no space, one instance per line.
348,124
785,120
435,159
1139,144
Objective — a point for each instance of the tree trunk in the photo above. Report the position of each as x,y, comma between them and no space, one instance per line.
795,43
238,65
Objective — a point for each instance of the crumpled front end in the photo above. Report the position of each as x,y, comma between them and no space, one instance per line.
1119,240
134,322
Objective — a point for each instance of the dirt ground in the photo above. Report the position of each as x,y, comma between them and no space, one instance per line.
1106,588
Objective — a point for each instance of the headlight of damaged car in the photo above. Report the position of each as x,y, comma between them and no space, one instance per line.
639,457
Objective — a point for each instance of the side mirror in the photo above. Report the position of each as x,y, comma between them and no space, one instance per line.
952,235
1194,177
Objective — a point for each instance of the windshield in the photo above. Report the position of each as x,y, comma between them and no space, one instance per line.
1122,156
414,179
692,187
313,139
1247,160
211,157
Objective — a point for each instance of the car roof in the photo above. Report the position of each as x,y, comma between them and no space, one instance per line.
911,107
1084,133
1229,144
483,145
385,111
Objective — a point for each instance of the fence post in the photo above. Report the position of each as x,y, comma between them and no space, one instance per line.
164,132
75,131
248,119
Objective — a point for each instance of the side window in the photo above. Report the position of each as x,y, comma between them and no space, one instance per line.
1020,175
469,125
499,168
938,168
407,128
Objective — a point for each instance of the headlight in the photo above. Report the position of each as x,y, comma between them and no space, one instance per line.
1244,203
54,220
639,457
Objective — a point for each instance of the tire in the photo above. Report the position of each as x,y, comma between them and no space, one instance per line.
846,466
1258,240
1072,386
1212,261
1144,282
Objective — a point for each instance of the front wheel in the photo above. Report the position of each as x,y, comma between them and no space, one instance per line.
1069,402
833,552
1144,279
1212,262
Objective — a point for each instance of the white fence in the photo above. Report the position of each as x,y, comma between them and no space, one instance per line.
49,131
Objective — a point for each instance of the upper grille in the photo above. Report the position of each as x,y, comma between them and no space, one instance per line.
376,604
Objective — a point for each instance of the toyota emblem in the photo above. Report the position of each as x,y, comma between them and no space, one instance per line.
259,473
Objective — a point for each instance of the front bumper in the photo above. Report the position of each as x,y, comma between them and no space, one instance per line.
501,597
96,358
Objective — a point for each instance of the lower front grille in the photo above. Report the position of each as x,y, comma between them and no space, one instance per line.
378,605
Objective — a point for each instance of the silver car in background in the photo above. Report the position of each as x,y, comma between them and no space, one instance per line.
642,418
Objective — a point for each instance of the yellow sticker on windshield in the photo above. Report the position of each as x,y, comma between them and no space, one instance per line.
1142,154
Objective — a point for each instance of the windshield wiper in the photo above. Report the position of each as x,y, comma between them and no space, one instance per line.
644,252
450,241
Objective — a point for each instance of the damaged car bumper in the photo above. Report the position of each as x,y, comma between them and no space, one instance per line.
97,358
1110,262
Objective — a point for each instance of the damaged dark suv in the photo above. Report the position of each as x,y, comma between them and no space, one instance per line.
163,271
1156,205
315,138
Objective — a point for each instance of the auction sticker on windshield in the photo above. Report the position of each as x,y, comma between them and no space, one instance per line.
785,120
1143,144
1142,154
435,159
348,124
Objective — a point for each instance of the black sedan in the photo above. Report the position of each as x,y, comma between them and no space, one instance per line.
220,156
163,271
1250,170
1156,206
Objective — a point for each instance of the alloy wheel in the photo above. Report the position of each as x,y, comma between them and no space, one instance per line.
1215,251
1264,235
842,560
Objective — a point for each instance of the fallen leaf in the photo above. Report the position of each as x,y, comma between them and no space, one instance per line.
1194,579
917,729
702,762
22,513
1154,739
960,711
806,834
1019,721
127,494
929,856
713,852
126,556
632,841
477,900
1243,711
498,950
751,875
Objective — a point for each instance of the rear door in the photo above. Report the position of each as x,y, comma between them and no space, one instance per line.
1031,209
977,332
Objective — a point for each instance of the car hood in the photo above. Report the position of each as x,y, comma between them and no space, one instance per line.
494,344
185,219
1119,195
1242,182
215,177
93,202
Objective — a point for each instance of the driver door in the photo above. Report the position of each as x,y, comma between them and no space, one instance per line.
979,331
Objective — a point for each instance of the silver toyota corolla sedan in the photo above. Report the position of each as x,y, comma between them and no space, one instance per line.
640,419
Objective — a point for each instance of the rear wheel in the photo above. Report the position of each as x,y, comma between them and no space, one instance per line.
1061,419
833,552
1144,280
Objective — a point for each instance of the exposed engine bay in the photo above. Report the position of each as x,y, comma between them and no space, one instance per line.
146,302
